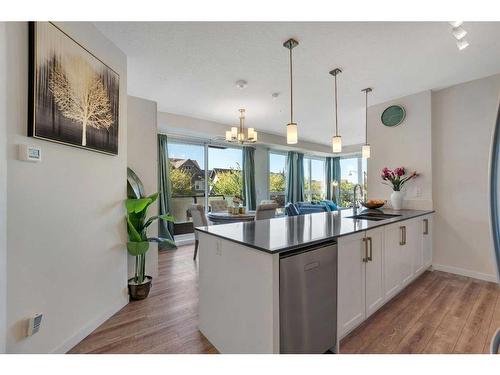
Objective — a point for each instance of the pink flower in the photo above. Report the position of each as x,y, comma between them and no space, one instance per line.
400,171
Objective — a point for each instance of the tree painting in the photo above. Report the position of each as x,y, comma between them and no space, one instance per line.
74,95
80,95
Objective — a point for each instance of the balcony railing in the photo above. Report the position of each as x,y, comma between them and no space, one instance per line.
180,209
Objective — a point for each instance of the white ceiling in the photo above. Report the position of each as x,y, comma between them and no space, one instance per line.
191,68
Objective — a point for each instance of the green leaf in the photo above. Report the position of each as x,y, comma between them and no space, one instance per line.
165,217
134,235
137,205
137,248
153,197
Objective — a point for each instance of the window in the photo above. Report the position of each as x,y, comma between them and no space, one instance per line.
277,177
187,176
352,172
314,179
225,178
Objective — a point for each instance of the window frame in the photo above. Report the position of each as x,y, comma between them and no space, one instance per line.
275,152
309,193
206,145
361,174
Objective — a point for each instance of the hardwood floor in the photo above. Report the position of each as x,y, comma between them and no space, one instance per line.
165,322
438,313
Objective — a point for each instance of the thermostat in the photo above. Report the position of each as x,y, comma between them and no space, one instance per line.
30,153
34,324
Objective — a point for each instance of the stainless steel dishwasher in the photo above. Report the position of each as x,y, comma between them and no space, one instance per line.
308,300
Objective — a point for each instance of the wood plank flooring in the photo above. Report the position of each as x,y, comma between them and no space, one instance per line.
437,313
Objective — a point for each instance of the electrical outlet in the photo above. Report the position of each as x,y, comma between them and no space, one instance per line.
34,324
418,191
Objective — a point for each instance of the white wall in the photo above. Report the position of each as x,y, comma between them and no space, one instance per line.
65,216
408,145
463,118
142,157
3,187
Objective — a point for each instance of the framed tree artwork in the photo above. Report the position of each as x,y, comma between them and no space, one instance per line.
73,96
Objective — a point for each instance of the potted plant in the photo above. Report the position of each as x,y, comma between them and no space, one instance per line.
396,179
138,243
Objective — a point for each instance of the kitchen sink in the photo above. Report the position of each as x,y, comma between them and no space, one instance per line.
375,216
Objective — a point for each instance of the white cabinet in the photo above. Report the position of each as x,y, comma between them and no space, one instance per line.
351,283
410,246
374,278
375,265
360,278
427,240
393,236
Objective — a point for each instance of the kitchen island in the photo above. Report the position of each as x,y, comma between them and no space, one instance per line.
242,268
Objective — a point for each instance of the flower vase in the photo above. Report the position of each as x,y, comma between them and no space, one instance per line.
397,198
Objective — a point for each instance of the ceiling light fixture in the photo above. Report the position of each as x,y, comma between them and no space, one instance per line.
458,32
238,135
462,44
337,139
291,129
365,150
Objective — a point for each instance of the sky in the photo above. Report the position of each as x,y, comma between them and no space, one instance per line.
217,158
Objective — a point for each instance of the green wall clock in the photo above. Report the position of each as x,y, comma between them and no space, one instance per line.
393,115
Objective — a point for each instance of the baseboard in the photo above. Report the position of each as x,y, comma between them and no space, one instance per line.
464,272
88,329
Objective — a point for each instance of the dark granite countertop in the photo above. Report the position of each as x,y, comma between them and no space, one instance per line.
291,233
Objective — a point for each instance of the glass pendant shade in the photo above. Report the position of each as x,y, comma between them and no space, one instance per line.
234,132
229,136
291,134
337,144
252,135
365,151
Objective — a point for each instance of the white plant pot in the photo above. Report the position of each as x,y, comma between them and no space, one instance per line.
397,198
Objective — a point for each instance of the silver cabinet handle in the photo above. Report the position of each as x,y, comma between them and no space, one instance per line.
370,257
365,259
426,226
403,235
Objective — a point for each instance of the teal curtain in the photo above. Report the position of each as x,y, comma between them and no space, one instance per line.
294,177
332,174
248,176
165,229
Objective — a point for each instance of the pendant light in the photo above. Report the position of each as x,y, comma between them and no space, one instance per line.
337,139
365,150
291,129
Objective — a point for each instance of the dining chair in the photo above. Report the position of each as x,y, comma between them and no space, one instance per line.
197,212
266,211
218,205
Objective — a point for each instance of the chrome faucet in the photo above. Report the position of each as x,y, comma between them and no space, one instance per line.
354,200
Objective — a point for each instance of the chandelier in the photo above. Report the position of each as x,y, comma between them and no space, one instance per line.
237,135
